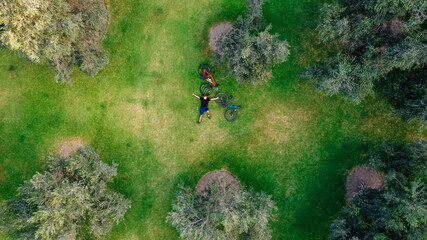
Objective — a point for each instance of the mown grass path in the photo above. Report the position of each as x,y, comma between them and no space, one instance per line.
289,141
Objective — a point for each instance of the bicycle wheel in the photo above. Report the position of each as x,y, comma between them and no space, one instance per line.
223,98
206,88
202,68
231,115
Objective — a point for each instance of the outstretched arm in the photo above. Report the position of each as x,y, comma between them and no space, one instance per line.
215,98
195,95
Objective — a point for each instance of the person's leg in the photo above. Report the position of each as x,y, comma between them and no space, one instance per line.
202,110
209,115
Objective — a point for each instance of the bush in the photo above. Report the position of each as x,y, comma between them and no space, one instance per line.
250,51
51,32
70,200
399,211
407,93
93,60
374,37
221,212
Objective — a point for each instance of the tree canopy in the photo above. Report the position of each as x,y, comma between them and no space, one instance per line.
407,93
249,49
51,32
373,38
399,211
70,200
221,212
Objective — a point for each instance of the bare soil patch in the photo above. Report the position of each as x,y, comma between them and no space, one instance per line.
394,26
216,32
69,146
210,177
361,178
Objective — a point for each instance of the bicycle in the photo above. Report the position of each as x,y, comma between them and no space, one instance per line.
225,101
205,73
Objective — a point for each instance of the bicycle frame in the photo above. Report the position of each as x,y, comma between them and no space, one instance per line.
208,77
224,100
232,105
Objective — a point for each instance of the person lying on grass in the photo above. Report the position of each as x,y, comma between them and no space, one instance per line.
204,108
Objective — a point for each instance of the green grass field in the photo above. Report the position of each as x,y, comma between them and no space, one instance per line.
290,140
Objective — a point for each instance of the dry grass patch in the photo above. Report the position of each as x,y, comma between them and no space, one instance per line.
290,188
4,97
279,126
131,237
133,117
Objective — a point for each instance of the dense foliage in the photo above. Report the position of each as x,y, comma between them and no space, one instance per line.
70,200
221,212
407,93
56,33
249,49
399,211
373,38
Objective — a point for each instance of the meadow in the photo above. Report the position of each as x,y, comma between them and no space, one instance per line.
290,141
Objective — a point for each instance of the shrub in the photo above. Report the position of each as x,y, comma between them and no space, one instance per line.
50,32
407,93
221,212
399,211
70,200
250,51
93,60
373,38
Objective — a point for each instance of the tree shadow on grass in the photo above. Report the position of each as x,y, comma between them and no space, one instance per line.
321,192
249,174
320,187
296,22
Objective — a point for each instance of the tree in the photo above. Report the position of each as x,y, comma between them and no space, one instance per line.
407,93
373,38
70,200
51,32
221,212
250,51
400,210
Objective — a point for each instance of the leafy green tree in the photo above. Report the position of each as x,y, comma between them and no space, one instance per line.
221,212
50,32
70,200
249,49
397,212
373,38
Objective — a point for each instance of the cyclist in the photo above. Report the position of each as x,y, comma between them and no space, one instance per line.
204,108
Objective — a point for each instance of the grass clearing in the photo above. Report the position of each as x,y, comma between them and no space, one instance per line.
289,141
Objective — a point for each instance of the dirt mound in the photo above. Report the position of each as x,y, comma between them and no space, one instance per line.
363,177
209,177
216,32
67,147
394,26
